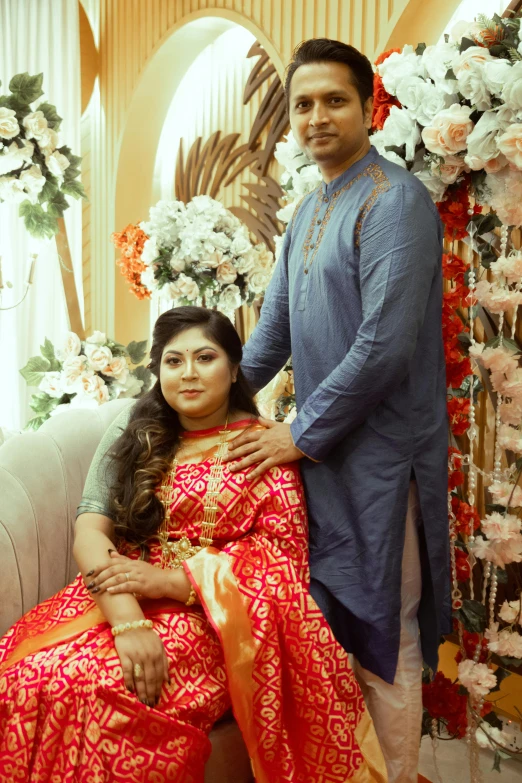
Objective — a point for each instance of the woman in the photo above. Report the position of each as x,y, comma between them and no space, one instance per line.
192,599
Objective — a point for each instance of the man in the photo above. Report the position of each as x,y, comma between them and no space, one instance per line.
356,300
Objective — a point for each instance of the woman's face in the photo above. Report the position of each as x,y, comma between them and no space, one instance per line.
196,375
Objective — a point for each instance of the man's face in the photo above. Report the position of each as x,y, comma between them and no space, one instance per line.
326,115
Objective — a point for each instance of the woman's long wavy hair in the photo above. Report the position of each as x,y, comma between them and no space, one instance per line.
145,450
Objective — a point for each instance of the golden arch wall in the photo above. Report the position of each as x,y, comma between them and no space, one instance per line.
119,151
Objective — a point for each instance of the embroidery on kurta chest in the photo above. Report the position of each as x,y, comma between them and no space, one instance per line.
382,184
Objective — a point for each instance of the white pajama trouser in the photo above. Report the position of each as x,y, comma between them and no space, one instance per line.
396,709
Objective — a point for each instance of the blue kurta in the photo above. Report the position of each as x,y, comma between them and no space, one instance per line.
356,299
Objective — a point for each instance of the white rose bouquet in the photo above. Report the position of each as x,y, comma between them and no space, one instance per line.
84,374
201,254
36,172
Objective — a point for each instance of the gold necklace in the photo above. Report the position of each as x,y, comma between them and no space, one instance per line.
174,553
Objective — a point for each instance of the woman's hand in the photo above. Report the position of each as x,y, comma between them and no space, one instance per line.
129,576
144,662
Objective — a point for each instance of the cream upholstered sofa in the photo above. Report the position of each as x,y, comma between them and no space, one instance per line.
41,482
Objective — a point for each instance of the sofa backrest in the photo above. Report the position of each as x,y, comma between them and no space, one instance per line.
42,475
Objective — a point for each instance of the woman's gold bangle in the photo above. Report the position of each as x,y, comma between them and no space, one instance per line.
117,629
192,597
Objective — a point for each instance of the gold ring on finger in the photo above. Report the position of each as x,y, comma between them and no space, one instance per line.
138,671
127,576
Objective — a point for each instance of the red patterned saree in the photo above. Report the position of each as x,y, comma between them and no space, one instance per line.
257,643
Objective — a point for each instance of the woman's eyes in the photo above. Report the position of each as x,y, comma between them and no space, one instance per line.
204,358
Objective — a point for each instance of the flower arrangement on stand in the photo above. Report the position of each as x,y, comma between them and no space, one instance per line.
452,115
84,374
198,253
36,172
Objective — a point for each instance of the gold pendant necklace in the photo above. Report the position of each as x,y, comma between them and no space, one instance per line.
174,553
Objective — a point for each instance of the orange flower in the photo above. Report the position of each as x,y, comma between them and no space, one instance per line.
131,242
382,57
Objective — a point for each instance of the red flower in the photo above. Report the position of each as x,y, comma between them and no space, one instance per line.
382,103
462,565
458,410
455,295
384,56
454,210
470,642
465,516
457,370
442,700
453,267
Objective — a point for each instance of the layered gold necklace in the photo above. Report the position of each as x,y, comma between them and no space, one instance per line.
174,553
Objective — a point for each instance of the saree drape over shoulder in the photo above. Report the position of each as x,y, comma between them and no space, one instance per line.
258,643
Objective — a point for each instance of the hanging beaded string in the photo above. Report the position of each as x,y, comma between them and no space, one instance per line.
497,465
472,431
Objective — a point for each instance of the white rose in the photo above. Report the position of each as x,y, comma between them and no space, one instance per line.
97,338
244,264
449,131
14,157
33,180
399,66
289,154
422,99
512,90
9,127
464,29
178,263
401,129
184,287
284,214
510,144
265,257
472,86
99,356
35,124
57,163
433,183
449,169
226,273
240,245
48,141
258,280
496,74
380,141
70,347
73,368
12,190
131,388
94,387
437,61
279,242
482,141
52,384
230,299
491,737
117,368
471,59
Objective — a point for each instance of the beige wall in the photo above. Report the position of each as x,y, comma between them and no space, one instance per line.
144,49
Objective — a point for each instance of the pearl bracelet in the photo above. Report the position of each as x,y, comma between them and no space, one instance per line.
117,629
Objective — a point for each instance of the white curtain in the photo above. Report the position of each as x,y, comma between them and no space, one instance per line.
37,36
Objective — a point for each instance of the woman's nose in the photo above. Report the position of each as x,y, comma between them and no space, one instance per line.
189,369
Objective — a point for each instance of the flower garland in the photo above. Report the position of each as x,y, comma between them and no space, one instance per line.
452,115
199,253
35,172
83,374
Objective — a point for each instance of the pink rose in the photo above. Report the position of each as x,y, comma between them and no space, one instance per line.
99,356
451,169
510,144
117,369
449,131
226,273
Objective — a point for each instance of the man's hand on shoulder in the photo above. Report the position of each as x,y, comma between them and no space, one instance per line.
263,448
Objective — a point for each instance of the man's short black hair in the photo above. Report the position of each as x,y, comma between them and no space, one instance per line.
317,50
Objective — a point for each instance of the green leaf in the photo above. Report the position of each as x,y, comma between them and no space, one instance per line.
507,341
47,350
49,189
507,661
465,44
472,615
420,48
143,374
498,50
492,507
493,720
496,762
34,370
400,151
43,403
501,674
26,88
38,222
57,205
74,188
51,115
137,351
450,74
486,223
502,576
36,422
